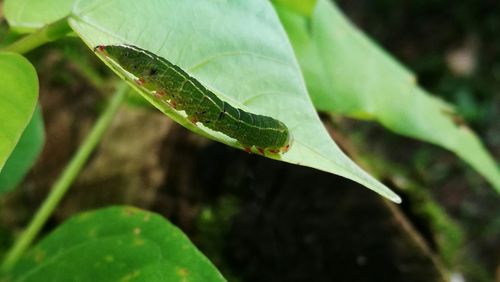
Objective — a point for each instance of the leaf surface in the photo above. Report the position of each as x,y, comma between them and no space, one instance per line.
115,244
29,15
18,97
237,49
348,74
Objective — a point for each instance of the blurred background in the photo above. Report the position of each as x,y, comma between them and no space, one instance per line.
261,220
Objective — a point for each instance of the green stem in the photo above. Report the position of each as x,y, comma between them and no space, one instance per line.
62,185
45,34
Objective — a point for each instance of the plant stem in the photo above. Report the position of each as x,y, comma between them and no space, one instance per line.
45,34
64,181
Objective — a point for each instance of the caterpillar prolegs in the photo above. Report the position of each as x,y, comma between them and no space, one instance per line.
167,82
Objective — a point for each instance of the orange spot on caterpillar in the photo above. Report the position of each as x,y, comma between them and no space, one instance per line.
100,48
285,148
159,93
261,151
173,103
247,149
193,119
140,81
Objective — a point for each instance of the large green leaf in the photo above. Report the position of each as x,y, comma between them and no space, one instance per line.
239,50
18,97
348,74
27,150
115,244
29,15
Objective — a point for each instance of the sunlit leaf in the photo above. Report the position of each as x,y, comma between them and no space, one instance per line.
348,74
239,50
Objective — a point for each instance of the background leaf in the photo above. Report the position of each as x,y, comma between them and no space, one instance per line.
18,96
29,15
115,244
24,155
348,74
239,50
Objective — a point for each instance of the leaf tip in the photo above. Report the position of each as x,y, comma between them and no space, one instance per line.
396,199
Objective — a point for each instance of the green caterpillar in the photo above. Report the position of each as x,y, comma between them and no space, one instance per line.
167,82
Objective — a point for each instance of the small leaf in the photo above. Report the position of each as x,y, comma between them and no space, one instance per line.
24,155
18,97
348,74
115,244
29,15
237,49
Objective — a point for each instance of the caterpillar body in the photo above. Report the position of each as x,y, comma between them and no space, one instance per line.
169,83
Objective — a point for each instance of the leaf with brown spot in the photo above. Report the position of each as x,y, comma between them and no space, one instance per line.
123,248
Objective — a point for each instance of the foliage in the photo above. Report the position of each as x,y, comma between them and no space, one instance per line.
348,74
19,91
254,58
115,244
26,151
240,50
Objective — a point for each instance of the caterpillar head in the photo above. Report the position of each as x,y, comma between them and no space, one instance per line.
285,139
288,143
